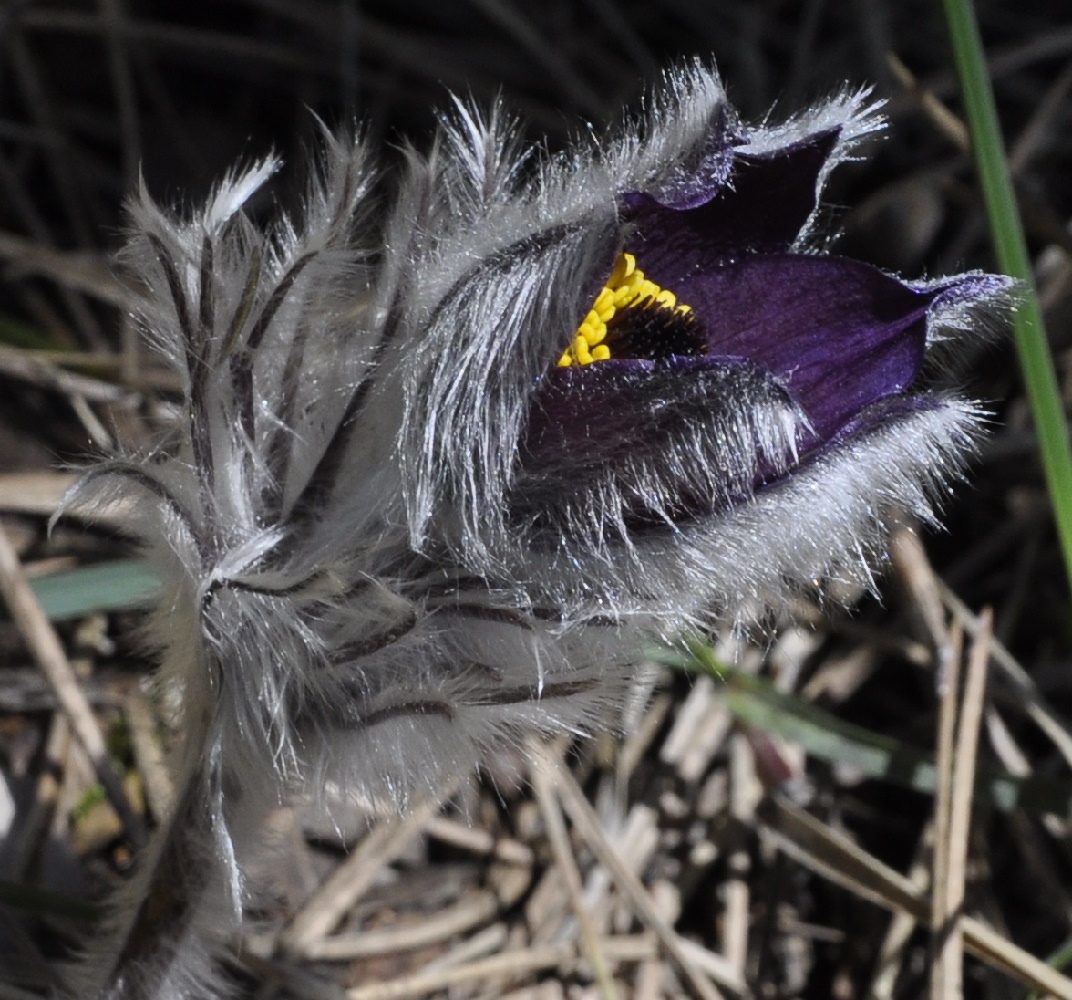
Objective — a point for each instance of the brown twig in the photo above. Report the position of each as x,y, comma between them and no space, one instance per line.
838,859
943,977
327,907
45,644
587,825
544,781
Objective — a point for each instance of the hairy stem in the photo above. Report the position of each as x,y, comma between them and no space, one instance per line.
180,906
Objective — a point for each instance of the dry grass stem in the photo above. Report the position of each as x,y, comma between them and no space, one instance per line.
327,907
891,954
149,753
37,493
942,977
492,940
588,826
79,272
507,965
543,780
478,841
45,644
962,783
40,370
744,792
1020,682
651,979
836,858
46,799
916,575
700,729
639,741
944,120
464,917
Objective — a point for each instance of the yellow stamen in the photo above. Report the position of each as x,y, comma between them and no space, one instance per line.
625,287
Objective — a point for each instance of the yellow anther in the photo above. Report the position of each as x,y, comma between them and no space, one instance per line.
604,300
623,267
625,287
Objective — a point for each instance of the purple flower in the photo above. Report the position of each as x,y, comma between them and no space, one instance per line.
797,355
733,414
442,470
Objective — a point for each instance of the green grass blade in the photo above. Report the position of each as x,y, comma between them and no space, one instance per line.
1060,960
112,586
826,737
823,736
1036,363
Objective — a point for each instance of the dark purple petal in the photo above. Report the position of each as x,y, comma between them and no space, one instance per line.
578,406
651,439
841,334
762,209
880,414
963,291
696,178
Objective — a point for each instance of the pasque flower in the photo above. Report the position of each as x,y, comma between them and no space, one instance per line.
442,467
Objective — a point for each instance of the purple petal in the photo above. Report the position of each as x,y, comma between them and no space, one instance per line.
578,408
651,440
955,298
697,178
841,334
771,199
883,413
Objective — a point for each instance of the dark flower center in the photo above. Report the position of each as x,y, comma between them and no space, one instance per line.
633,317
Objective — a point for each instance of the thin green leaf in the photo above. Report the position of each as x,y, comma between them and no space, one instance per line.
1010,248
1060,960
112,586
16,333
756,703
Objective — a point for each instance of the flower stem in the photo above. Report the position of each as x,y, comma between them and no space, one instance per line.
174,917
1036,363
